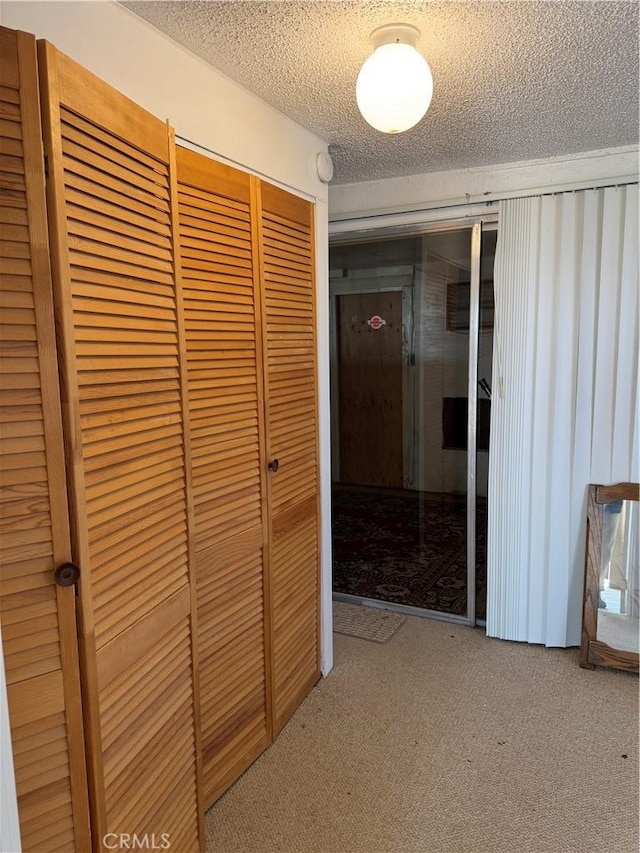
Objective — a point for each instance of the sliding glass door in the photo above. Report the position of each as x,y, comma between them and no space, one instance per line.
411,337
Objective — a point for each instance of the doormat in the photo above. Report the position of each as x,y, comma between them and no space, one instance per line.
366,623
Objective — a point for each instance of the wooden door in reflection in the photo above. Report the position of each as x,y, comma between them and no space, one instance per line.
370,388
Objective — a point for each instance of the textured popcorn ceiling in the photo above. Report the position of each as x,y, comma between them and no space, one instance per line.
512,80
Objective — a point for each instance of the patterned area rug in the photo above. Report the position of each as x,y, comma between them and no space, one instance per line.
408,549
366,623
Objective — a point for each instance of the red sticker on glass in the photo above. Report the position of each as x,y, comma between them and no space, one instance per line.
376,322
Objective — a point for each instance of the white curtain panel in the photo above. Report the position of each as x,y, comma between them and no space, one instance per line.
565,403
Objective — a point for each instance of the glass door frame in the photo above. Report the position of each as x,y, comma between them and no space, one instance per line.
477,225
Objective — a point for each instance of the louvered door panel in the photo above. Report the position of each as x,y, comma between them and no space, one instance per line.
288,300
217,245
38,618
110,201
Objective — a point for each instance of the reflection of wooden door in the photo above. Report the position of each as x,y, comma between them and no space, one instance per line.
370,388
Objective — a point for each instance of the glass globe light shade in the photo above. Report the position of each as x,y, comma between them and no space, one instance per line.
394,88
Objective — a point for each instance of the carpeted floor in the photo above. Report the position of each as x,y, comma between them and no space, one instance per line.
407,548
445,741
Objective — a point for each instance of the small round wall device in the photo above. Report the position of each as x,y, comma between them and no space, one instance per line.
324,165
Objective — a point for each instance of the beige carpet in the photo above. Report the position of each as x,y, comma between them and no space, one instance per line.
444,741
366,623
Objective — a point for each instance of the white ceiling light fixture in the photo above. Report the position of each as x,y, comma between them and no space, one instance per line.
395,85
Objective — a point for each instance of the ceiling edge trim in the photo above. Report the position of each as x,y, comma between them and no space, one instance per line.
434,190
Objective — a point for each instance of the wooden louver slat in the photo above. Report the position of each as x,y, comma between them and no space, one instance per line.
38,618
117,292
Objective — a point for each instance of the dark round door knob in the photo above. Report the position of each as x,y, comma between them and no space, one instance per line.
274,465
66,574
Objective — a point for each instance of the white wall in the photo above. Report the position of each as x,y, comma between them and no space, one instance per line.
322,337
9,825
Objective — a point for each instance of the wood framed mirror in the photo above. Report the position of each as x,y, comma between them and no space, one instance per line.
611,607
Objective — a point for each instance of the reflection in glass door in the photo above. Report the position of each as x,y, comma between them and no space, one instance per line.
411,337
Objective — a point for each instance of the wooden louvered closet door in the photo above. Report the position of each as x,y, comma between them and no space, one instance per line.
118,305
38,617
217,245
288,310
249,312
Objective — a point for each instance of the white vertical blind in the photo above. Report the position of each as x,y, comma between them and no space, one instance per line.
565,407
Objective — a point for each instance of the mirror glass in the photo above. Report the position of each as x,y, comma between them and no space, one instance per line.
619,599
